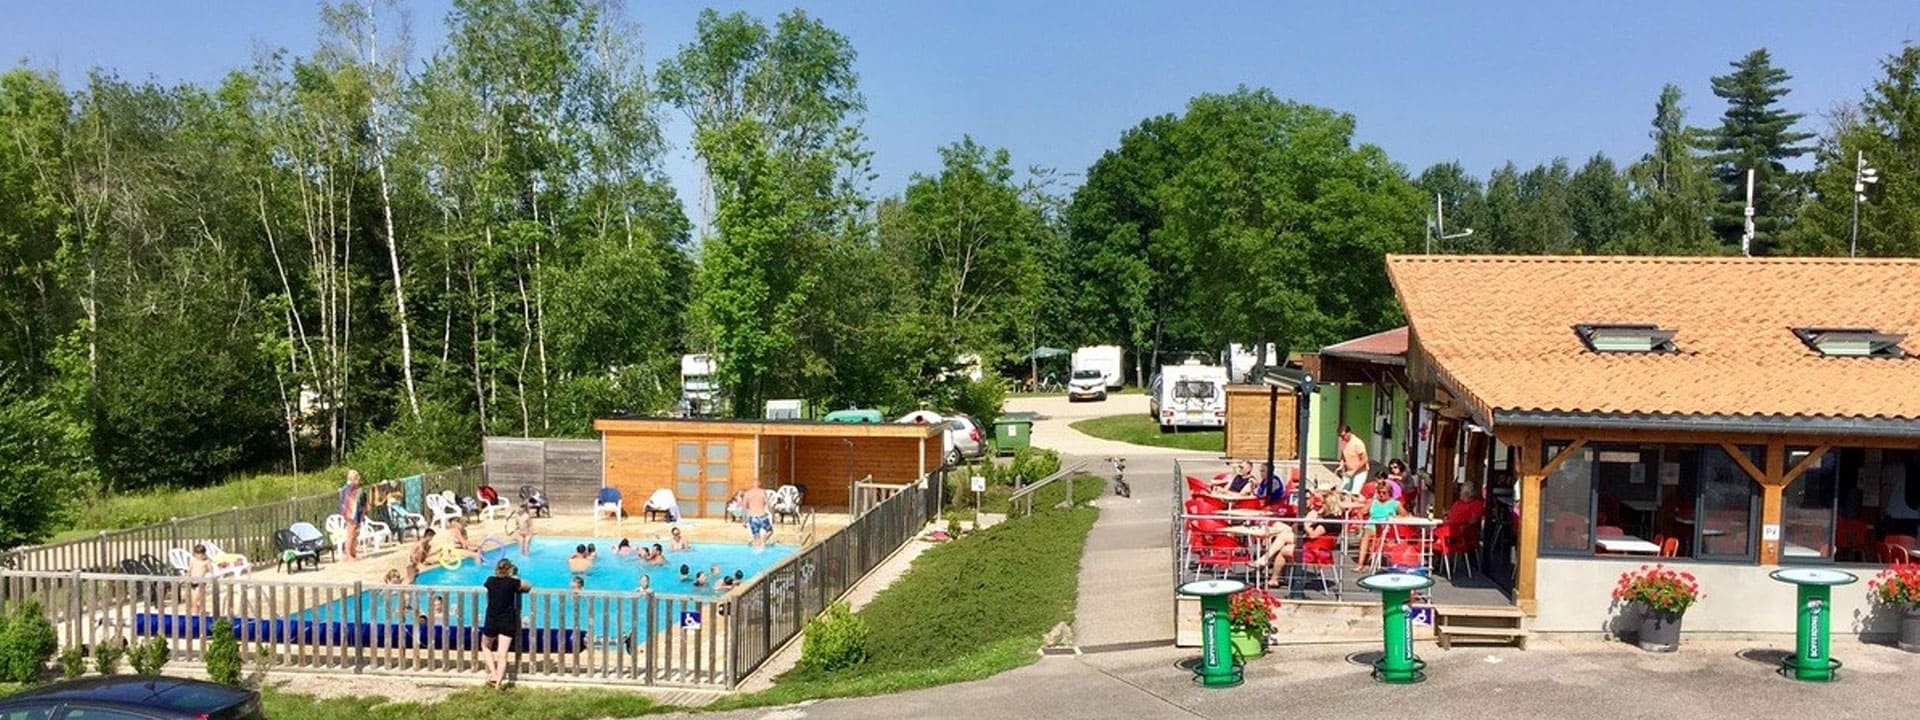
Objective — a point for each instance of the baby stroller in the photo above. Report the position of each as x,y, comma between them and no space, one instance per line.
535,501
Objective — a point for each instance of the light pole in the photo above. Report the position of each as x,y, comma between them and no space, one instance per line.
1437,225
1862,176
1301,384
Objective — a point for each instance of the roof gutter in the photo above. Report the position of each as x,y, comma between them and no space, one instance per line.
1868,427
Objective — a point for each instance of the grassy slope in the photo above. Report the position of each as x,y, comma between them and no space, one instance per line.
133,509
994,500
1142,430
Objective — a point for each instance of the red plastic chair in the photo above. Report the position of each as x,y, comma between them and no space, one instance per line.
1852,537
1323,555
1195,485
1446,544
1609,531
1893,549
1670,547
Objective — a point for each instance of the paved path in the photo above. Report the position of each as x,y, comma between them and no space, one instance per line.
1056,414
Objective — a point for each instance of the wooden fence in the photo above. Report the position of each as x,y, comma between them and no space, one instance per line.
567,472
365,628
242,530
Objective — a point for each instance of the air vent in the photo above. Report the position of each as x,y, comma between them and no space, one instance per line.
1627,338
1851,342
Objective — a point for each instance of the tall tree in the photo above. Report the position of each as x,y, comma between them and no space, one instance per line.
1883,130
1756,135
1127,275
1598,206
1672,189
1462,207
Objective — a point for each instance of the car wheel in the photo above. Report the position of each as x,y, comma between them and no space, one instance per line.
954,458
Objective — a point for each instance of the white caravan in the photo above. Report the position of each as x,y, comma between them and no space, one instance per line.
1189,396
1105,358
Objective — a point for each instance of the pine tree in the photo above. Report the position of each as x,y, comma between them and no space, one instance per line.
1755,134
1881,129
1672,189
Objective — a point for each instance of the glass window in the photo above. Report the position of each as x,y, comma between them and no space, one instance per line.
687,452
1566,501
1807,508
27,713
79,713
1627,488
1728,505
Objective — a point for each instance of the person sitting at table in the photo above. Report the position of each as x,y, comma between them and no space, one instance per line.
1241,481
1383,508
1283,538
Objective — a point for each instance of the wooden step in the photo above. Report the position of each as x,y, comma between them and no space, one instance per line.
1489,622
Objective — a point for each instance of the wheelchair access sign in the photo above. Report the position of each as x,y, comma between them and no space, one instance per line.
1420,615
690,620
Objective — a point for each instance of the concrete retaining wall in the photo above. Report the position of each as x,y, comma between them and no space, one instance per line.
1576,595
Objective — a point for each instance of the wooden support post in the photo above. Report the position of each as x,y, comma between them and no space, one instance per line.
1530,482
1771,486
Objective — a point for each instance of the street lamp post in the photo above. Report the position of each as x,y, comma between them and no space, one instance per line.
1862,176
1302,385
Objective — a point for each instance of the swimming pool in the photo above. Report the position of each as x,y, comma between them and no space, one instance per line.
546,568
605,611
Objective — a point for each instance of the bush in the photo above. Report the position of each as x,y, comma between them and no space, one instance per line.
73,662
835,640
149,656
26,644
106,656
981,399
223,654
1027,466
37,471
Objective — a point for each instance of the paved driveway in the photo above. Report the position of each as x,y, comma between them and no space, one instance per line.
1056,414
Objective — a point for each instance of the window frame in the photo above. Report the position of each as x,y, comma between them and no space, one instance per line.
1698,461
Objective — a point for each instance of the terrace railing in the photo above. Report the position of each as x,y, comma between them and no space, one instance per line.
241,530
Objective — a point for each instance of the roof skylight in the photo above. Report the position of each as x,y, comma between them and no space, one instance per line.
1603,338
1852,342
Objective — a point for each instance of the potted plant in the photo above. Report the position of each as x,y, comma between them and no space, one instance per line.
1663,596
1899,587
1250,618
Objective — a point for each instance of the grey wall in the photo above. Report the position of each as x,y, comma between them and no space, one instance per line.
1575,595
566,471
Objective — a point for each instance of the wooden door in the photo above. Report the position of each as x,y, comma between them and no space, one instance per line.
703,477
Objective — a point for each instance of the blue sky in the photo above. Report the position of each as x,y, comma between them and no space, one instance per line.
1056,83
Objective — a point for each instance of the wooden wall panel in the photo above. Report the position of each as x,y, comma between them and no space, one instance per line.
1246,430
822,464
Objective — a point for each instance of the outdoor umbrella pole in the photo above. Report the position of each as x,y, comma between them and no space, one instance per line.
1302,402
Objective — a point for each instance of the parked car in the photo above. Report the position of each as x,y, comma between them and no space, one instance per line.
1087,384
133,697
1189,396
964,438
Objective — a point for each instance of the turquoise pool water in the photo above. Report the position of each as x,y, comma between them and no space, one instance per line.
455,597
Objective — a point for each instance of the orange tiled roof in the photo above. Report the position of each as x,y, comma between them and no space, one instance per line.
1499,329
1386,342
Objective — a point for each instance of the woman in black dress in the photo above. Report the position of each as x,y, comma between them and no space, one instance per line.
503,619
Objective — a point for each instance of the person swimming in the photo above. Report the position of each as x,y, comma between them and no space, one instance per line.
646,584
700,580
581,561
659,555
624,548
579,583
685,573
679,542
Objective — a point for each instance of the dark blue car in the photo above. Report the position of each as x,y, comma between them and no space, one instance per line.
132,697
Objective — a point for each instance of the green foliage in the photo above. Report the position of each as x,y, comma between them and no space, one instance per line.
223,654
107,655
37,469
27,642
835,640
981,399
1880,131
149,656
1027,466
73,662
1756,134
474,704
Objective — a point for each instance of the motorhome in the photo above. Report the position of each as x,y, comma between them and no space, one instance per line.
1105,358
1189,396
699,385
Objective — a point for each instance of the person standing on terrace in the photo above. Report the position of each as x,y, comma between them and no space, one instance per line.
759,516
502,624
1353,461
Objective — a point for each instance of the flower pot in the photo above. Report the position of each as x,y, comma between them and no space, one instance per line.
1248,644
1659,630
1910,628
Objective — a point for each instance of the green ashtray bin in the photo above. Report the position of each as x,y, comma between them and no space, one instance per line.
1012,432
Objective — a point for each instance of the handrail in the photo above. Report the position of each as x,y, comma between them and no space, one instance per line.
1028,490
812,523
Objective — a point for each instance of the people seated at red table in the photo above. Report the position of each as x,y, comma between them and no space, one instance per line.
1283,538
1381,509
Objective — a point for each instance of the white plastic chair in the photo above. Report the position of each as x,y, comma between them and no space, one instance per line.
373,534
500,507
179,559
786,502
607,504
445,509
662,502
226,563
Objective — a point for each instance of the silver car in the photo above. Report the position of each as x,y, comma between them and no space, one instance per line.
1087,384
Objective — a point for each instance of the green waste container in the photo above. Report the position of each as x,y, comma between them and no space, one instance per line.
1012,432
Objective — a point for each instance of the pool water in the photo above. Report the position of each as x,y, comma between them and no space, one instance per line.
546,568
602,616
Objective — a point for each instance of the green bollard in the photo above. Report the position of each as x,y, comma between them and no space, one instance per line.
1811,661
1217,668
1397,665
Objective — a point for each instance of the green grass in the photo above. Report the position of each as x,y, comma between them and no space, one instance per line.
476,704
135,509
1143,430
994,500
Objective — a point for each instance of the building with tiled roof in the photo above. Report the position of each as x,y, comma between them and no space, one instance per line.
1724,414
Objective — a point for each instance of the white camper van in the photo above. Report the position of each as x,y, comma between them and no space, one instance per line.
1189,396
699,385
1105,358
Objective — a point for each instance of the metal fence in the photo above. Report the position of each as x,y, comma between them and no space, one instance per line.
242,530
366,628
772,609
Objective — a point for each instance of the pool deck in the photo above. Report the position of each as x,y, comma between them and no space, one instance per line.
374,564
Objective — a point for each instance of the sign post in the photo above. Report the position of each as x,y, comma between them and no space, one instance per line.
1397,665
1811,660
1217,668
979,486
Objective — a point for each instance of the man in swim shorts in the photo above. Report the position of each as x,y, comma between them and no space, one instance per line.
759,516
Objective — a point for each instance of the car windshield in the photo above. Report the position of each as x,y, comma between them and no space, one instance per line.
1088,374
1200,389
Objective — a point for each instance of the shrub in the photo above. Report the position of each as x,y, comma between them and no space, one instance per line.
106,656
981,399
149,656
1027,466
223,654
73,662
1897,586
26,644
835,640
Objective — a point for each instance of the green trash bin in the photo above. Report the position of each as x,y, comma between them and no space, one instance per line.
1012,432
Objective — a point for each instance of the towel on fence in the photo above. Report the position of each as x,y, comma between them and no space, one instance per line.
416,492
